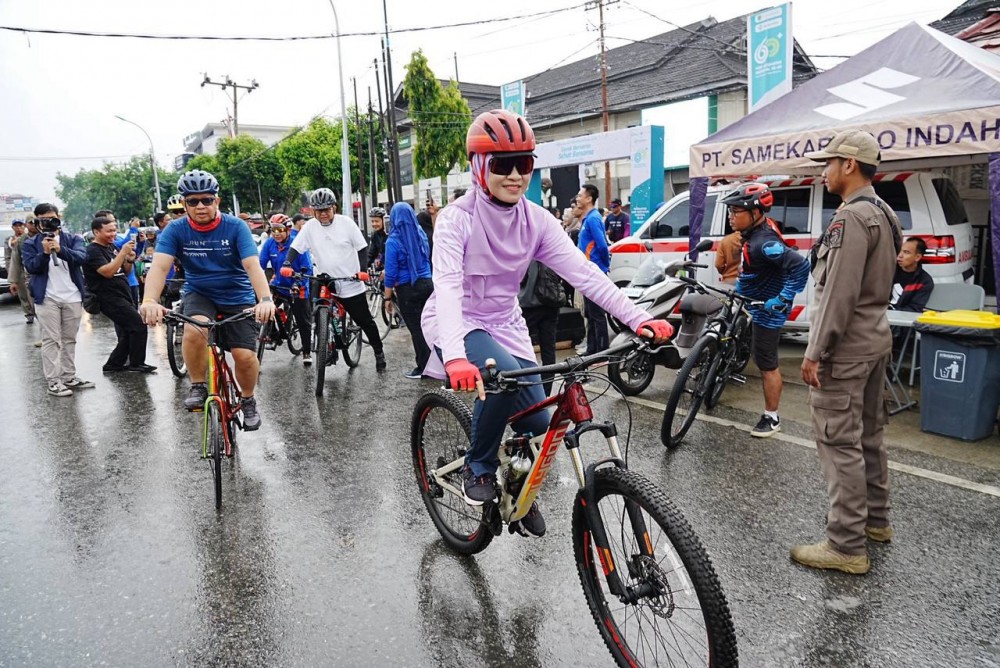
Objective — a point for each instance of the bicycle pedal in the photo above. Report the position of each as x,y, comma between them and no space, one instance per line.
738,378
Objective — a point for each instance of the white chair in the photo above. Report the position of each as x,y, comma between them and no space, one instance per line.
946,297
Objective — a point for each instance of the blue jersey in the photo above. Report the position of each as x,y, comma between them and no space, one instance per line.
771,268
212,261
592,241
274,255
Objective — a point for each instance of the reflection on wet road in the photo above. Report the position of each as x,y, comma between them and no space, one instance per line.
111,551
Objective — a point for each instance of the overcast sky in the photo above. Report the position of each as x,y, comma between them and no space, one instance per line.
59,94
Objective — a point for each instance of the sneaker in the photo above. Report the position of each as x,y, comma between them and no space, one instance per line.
141,368
29,319
197,395
478,489
413,375
823,555
38,344
59,390
766,427
532,524
251,418
75,383
880,534
111,368
380,362
307,359
332,357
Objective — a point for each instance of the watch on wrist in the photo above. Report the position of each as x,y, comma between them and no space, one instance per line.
267,299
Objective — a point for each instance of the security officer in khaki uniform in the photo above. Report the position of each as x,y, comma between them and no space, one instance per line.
849,347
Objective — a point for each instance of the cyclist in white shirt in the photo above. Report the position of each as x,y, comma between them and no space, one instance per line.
338,249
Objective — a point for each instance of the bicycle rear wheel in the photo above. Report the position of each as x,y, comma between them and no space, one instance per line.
175,339
680,616
293,336
351,335
216,446
693,382
440,435
322,347
376,302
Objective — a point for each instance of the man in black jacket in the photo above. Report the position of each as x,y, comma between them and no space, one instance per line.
912,285
376,246
106,272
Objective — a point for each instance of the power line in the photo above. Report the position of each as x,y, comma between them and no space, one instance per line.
34,158
289,38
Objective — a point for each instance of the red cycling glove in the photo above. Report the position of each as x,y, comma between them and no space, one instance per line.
287,272
660,329
462,374
362,276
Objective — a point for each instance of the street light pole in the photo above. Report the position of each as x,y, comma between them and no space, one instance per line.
345,159
152,160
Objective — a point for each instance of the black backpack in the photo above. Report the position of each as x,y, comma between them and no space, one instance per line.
549,287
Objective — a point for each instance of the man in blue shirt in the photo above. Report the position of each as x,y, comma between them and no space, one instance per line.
594,245
617,222
222,277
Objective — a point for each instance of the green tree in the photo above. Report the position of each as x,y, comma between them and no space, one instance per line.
251,171
440,116
126,189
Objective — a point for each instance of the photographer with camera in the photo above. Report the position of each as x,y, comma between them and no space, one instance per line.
55,260
105,271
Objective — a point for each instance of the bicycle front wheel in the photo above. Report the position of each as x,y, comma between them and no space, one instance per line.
216,446
294,336
264,335
321,347
680,616
693,382
440,435
351,334
175,340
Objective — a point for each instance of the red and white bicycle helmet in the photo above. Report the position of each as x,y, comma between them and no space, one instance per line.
750,196
499,131
280,219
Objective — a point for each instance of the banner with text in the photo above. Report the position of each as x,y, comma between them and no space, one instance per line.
512,97
769,55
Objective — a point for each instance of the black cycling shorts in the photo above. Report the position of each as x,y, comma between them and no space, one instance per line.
764,346
241,334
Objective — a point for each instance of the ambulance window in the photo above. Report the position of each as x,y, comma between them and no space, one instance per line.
892,192
954,209
791,210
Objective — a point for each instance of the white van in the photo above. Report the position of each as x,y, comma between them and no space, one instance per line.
928,206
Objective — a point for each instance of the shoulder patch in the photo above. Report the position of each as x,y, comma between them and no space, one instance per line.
835,234
773,249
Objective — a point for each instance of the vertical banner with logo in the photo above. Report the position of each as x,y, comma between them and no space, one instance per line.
512,97
769,55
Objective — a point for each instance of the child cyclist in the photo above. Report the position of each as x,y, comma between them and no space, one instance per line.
483,244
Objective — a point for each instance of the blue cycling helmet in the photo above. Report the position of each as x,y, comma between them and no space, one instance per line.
197,181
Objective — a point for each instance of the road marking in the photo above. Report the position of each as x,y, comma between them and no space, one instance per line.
962,483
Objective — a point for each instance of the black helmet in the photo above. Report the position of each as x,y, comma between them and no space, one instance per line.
197,181
750,196
322,198
376,212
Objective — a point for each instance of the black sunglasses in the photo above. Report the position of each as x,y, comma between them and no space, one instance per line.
195,201
504,165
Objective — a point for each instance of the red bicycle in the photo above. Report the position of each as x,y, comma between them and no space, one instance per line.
223,407
648,580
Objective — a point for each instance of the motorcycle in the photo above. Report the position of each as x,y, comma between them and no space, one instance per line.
656,289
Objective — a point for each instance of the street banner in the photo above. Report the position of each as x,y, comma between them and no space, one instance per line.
512,97
769,55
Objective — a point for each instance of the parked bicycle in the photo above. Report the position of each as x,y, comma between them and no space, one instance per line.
171,299
223,407
386,319
334,330
283,329
717,358
648,581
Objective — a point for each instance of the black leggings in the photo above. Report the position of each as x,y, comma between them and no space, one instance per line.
357,306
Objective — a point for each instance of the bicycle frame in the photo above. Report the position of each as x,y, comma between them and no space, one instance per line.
223,390
572,407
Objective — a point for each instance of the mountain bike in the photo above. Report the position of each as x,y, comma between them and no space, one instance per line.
283,328
331,334
647,579
717,358
175,329
223,407
386,320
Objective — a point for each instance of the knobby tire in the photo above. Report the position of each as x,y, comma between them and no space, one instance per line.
321,349
350,333
692,380
175,338
216,447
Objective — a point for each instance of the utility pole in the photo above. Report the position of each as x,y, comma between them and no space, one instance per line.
455,54
372,155
227,84
363,222
604,94
391,171
390,93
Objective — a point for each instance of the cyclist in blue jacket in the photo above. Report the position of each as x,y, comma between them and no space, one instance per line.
272,254
773,272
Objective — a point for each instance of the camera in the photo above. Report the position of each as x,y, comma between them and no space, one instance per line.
48,226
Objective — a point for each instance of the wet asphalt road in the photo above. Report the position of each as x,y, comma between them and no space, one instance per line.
112,553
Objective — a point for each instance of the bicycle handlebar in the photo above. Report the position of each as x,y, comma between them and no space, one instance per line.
730,294
326,278
571,364
180,317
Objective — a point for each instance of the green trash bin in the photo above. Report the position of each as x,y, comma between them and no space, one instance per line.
960,373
